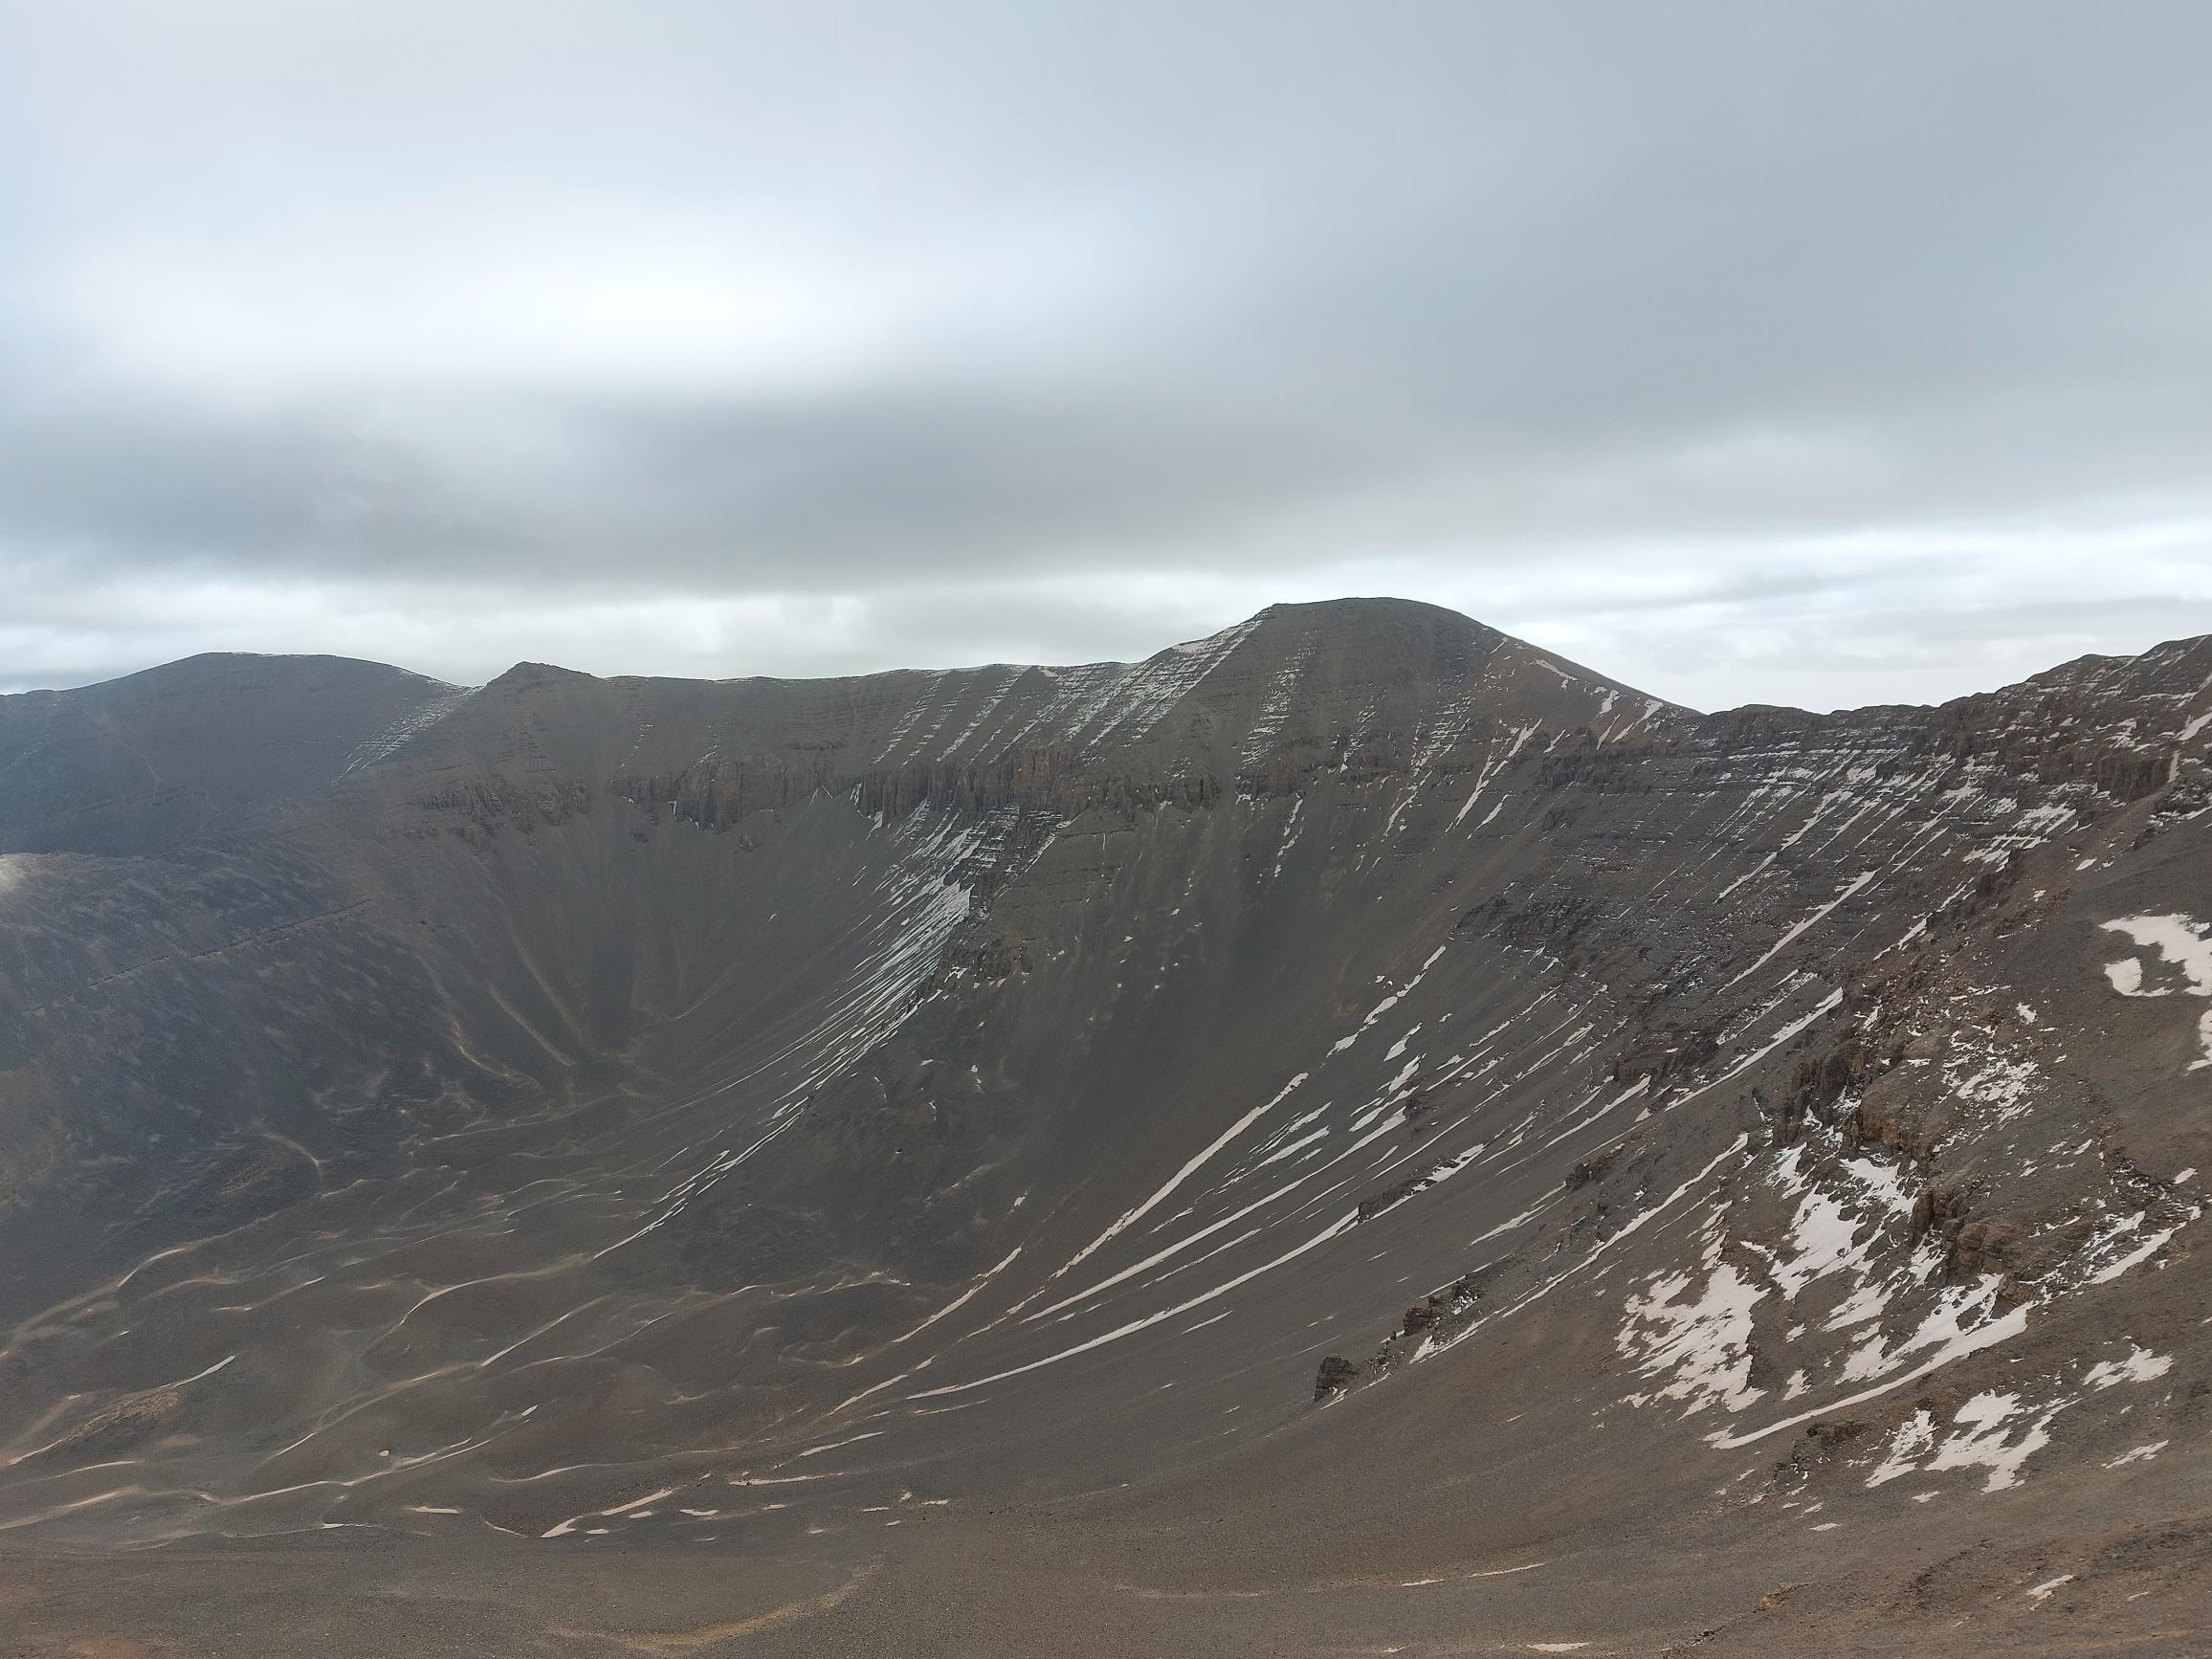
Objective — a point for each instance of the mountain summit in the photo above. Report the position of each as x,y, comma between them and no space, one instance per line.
1350,1130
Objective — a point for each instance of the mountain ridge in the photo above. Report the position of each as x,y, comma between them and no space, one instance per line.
525,674
605,1102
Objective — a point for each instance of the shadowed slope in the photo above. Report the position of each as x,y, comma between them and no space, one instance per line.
194,747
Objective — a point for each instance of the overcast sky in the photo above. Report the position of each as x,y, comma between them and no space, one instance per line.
1822,354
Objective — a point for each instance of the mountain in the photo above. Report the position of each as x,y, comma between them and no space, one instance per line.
1355,1133
160,758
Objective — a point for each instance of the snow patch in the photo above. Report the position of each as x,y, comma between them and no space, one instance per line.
1981,1440
1703,1346
2140,1365
2181,943
2138,1455
1912,1441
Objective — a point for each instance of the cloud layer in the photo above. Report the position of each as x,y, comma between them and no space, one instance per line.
1815,354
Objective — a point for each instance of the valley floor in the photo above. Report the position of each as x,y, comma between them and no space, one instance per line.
1124,1575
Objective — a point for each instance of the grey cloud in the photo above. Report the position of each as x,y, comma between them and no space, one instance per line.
1038,328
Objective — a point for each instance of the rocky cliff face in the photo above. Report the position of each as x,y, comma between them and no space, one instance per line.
575,1107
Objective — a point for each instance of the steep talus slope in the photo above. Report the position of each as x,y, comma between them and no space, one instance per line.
764,1112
